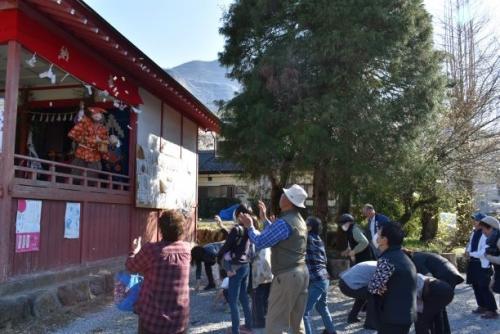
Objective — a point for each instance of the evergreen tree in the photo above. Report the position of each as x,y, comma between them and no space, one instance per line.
331,86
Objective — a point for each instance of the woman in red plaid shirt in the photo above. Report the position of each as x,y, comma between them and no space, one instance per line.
163,305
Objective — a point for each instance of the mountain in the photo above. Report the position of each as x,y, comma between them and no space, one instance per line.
206,80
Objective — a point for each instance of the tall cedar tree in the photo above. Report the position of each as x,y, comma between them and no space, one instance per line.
331,86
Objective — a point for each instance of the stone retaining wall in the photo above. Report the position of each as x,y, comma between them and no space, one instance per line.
45,301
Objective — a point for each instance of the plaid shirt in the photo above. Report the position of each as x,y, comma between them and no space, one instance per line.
272,234
316,258
163,305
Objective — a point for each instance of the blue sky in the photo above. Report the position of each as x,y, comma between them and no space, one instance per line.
172,32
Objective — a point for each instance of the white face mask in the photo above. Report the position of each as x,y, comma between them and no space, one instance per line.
345,227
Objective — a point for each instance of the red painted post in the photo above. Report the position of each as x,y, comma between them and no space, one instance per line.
7,151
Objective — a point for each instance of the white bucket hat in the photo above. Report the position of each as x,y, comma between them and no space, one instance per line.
491,221
296,194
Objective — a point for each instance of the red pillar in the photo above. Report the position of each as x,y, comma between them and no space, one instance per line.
8,147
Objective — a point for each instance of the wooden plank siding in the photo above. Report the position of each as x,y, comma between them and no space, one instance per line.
106,231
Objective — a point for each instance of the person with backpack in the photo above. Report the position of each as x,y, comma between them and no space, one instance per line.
237,245
319,279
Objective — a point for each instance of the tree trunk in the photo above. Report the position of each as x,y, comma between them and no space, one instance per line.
276,191
320,195
429,223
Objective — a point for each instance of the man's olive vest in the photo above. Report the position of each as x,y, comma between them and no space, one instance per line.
289,254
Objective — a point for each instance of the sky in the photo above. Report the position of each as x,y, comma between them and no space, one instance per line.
172,32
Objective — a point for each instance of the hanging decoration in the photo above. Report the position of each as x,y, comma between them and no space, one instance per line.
32,61
52,117
49,74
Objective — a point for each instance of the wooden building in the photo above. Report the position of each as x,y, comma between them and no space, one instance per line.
55,56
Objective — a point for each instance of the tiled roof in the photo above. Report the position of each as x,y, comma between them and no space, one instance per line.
210,163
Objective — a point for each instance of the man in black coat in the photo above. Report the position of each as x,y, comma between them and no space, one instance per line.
394,283
443,270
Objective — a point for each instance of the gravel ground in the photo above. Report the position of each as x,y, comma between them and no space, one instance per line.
207,318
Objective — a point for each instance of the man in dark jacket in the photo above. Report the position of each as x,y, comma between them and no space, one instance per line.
443,270
374,219
394,283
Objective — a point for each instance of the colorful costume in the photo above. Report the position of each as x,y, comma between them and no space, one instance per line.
92,140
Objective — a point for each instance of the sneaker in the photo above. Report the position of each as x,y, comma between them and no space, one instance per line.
490,315
479,310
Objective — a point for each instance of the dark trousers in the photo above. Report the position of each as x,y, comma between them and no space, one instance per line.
209,273
436,296
260,295
360,298
393,329
484,296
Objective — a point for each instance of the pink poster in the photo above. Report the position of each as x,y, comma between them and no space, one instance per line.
28,225
27,242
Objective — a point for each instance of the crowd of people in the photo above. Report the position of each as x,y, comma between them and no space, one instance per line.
275,271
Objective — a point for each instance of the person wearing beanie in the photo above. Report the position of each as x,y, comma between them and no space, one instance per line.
358,246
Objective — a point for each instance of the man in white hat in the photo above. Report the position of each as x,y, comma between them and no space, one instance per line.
491,227
287,237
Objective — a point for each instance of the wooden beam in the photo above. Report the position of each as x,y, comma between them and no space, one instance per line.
7,151
66,195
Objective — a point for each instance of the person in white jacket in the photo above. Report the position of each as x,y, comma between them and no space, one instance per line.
491,229
479,270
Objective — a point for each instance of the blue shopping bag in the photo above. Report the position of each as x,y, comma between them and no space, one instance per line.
127,288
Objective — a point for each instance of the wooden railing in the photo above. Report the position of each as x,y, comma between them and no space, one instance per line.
44,173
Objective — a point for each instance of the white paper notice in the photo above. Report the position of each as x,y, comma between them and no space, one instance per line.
72,221
2,107
28,218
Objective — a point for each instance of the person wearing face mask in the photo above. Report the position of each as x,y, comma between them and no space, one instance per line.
358,246
394,283
374,220
479,269
92,140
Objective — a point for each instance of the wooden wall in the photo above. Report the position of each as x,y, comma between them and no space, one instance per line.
106,231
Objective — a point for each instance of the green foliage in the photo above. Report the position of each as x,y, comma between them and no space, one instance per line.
348,85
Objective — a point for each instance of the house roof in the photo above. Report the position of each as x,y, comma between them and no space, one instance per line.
209,163
83,23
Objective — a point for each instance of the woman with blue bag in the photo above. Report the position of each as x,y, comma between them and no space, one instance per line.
163,303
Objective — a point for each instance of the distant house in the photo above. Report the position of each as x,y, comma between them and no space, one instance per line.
221,183
219,178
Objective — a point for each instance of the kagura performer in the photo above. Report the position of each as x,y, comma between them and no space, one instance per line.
92,139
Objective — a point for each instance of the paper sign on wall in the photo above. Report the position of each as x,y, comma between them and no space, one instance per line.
2,107
72,221
28,225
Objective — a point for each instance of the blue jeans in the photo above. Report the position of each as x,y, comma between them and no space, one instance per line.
318,290
238,291
259,305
